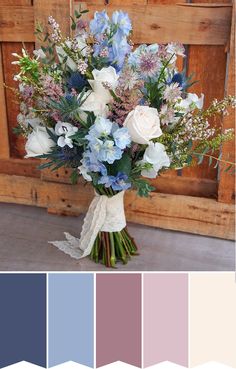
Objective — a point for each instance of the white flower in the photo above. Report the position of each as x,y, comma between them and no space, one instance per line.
84,173
39,53
38,143
95,103
62,55
104,76
156,155
33,122
65,131
191,102
175,48
81,45
143,124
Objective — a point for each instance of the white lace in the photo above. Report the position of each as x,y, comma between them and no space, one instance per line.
104,214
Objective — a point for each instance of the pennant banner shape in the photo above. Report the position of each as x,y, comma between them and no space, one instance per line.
119,365
165,318
71,318
22,319
118,318
212,318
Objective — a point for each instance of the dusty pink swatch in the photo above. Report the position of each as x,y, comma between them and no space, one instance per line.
165,318
118,318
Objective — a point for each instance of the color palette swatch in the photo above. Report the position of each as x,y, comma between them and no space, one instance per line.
94,320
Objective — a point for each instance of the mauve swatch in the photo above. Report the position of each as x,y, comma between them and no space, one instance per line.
118,318
165,318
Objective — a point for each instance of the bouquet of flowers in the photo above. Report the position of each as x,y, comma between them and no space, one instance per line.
114,114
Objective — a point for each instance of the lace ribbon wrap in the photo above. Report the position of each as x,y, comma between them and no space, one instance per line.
104,214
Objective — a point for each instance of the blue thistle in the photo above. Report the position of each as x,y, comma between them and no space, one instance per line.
76,81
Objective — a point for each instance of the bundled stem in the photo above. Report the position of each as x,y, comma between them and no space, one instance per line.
110,247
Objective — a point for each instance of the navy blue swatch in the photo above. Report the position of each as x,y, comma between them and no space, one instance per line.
22,318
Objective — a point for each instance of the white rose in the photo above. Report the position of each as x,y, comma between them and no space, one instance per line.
65,131
143,124
105,75
95,103
62,55
156,155
38,143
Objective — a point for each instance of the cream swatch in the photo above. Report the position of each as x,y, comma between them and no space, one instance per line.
212,318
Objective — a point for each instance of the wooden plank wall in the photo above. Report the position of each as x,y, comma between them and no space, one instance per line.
204,28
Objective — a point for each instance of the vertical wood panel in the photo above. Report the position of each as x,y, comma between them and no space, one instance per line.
17,146
226,191
4,147
208,63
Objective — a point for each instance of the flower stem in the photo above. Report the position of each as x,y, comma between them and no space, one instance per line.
111,247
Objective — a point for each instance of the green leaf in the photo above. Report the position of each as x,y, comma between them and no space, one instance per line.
123,165
74,176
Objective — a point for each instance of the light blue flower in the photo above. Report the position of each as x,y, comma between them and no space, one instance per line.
109,152
100,23
100,129
118,183
122,22
121,137
91,163
120,48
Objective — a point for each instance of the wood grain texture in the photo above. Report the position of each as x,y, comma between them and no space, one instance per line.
182,213
160,23
20,167
164,184
226,180
189,25
16,23
208,63
4,147
17,143
61,10
111,2
16,2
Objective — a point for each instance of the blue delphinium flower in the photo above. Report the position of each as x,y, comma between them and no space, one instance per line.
118,183
76,81
107,140
91,163
122,22
100,23
121,137
118,51
121,182
109,152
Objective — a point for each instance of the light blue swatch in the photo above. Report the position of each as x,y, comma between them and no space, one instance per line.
70,318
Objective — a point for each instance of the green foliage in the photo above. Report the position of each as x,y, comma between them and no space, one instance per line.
123,165
142,187
69,108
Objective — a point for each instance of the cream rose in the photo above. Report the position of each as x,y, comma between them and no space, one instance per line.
156,155
38,143
95,103
143,124
101,77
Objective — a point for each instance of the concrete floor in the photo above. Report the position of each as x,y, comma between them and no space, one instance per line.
25,230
